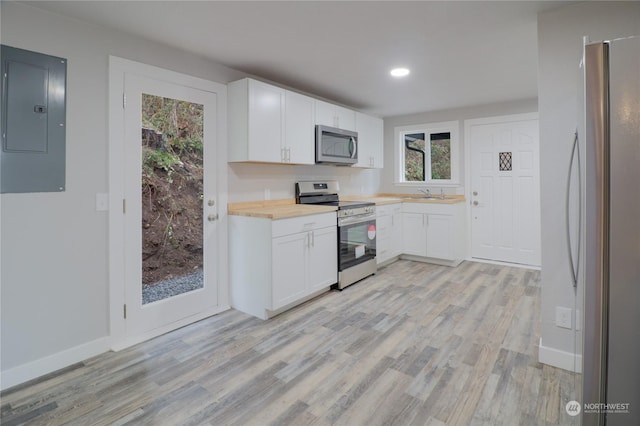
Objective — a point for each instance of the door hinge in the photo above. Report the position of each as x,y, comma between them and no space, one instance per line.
124,100
124,205
125,311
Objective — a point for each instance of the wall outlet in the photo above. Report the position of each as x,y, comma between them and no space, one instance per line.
563,317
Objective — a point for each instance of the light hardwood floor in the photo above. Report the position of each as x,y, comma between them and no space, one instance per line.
416,344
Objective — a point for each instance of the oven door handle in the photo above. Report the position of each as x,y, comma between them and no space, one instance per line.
354,220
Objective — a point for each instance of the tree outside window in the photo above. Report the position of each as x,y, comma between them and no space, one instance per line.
425,161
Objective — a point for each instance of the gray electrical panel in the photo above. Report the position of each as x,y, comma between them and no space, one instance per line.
32,158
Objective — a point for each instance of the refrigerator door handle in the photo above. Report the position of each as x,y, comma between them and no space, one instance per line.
575,266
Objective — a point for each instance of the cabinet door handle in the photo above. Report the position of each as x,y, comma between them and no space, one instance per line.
313,239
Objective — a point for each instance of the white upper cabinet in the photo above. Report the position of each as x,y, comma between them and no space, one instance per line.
263,127
370,141
256,121
269,124
335,116
299,135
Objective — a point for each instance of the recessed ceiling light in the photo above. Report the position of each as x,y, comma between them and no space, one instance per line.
399,72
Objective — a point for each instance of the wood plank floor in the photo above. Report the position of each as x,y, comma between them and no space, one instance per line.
416,344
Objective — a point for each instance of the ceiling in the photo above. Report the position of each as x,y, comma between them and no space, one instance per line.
460,53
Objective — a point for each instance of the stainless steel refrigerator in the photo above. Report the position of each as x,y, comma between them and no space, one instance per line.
611,339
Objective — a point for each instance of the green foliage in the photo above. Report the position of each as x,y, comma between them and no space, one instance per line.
440,161
155,159
413,163
180,122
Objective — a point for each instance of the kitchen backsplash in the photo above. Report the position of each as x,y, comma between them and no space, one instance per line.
248,182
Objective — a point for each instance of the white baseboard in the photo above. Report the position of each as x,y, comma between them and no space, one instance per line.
34,369
561,359
498,262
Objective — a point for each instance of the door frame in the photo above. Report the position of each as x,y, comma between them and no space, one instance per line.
118,67
467,175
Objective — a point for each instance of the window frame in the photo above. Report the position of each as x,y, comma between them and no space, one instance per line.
451,127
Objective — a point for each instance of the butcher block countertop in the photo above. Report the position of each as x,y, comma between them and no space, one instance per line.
280,209
382,199
276,209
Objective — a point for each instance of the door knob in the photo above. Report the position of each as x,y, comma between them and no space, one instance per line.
475,203
211,203
212,217
475,192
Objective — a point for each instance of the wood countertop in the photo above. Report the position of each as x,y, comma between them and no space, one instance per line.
382,199
281,209
276,209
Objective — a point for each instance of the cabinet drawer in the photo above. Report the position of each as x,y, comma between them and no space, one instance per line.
293,225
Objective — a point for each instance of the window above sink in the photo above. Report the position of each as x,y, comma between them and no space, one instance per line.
427,154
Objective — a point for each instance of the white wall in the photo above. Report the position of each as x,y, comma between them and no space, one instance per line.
54,245
560,33
461,114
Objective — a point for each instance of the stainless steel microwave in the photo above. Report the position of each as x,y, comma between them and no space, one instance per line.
336,146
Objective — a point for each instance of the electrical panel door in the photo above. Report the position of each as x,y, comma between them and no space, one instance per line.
33,121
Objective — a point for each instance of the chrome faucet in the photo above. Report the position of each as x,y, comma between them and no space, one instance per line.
425,191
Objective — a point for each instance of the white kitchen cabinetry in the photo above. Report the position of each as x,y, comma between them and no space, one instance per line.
299,135
370,141
440,236
278,263
414,234
269,124
289,272
335,116
389,232
434,231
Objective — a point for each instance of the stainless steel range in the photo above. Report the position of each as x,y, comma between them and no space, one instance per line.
356,230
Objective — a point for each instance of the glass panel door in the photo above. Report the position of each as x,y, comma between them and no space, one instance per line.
170,209
172,191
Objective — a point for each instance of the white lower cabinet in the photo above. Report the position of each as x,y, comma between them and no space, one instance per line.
322,265
414,234
440,236
389,232
289,273
276,264
434,231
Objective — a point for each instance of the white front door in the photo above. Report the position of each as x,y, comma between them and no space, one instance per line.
505,188
167,200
